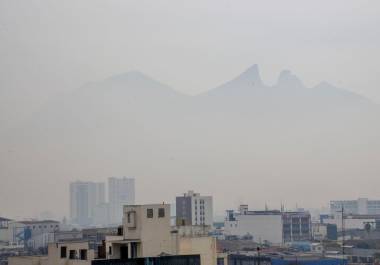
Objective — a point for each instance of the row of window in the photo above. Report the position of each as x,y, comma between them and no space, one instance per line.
40,226
150,213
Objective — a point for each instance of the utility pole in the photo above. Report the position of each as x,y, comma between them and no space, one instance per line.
343,232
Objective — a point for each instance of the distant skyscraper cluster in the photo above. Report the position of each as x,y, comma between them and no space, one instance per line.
88,205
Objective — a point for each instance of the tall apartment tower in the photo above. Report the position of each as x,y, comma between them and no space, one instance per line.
194,209
84,197
121,191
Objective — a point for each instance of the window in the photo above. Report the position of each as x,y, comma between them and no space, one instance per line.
83,254
72,254
129,218
110,250
161,212
220,261
63,252
149,213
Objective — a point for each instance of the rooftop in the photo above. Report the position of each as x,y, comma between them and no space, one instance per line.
38,222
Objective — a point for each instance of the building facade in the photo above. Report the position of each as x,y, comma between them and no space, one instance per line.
147,233
262,226
194,209
270,226
296,226
32,234
362,206
84,198
121,191
73,253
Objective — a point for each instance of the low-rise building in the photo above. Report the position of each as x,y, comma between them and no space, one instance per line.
61,253
4,235
322,231
32,234
354,221
272,226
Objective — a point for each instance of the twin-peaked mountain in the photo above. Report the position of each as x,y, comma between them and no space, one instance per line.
287,138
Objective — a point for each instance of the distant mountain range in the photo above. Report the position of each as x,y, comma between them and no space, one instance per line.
243,137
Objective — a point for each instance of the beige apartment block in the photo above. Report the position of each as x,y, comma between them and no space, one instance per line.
70,253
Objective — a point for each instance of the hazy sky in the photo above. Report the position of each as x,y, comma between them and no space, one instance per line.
52,47
48,47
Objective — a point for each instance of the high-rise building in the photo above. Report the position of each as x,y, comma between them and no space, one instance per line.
121,191
194,209
84,197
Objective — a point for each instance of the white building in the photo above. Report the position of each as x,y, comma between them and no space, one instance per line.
352,221
84,197
273,226
261,225
121,191
194,209
362,206
4,237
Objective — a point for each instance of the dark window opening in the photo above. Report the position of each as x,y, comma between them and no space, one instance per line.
83,254
72,254
149,213
63,252
161,212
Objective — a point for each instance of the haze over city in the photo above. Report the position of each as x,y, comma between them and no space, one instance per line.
264,103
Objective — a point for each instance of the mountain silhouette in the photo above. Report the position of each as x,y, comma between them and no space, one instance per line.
243,130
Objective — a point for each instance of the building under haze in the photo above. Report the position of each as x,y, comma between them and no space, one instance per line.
84,198
33,234
194,209
121,191
359,206
273,226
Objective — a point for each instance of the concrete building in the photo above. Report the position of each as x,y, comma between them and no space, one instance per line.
353,221
273,226
261,225
84,197
4,235
32,234
322,231
62,253
296,226
194,209
362,206
147,233
121,191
